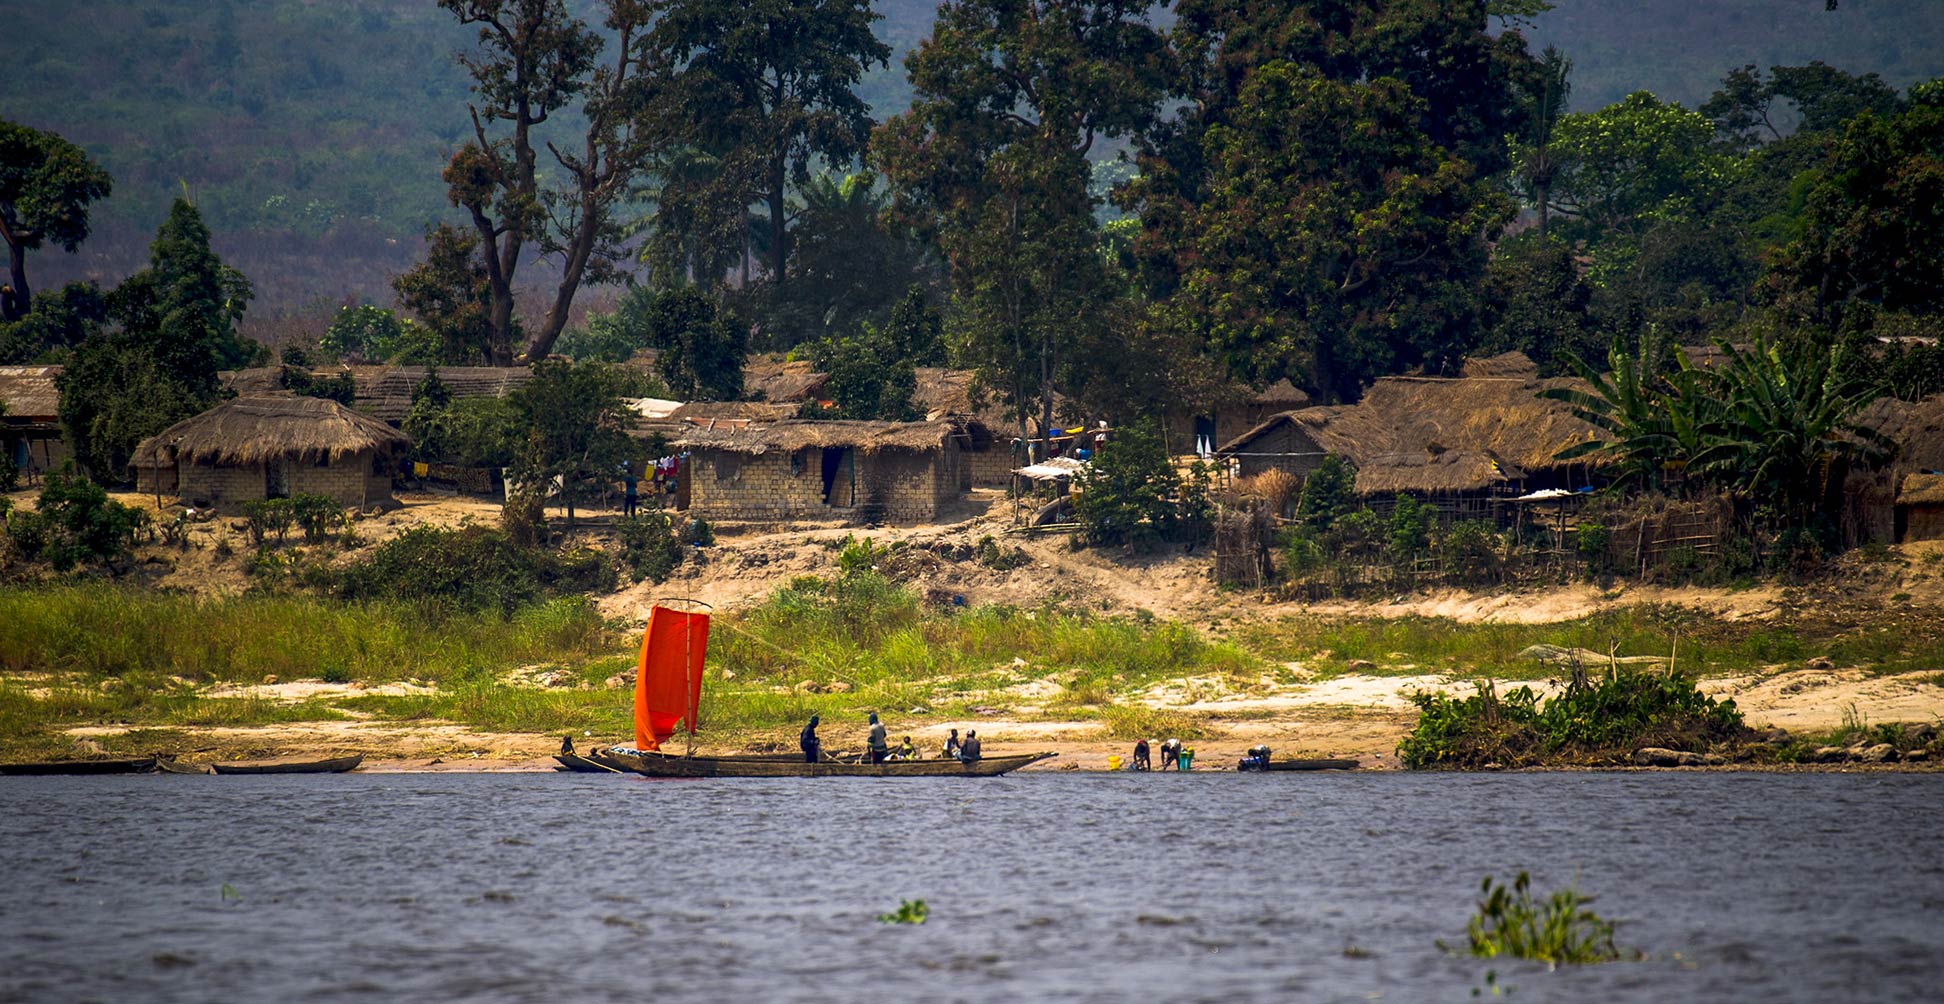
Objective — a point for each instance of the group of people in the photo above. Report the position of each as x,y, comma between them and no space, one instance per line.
1172,755
877,744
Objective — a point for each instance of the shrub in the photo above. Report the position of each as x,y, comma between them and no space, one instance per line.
859,556
700,534
649,549
1126,495
524,518
1302,553
1595,543
9,475
1470,552
1586,722
77,522
1559,930
317,515
999,558
265,517
471,567
1329,494
1408,531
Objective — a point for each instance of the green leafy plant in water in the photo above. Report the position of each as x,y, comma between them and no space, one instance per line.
228,893
1558,929
911,911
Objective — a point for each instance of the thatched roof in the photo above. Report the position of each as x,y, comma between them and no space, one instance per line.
1916,428
28,392
1282,395
1441,434
704,412
1921,489
250,430
1505,364
790,436
386,391
785,382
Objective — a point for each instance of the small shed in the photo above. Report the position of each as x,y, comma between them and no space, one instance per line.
30,418
1920,507
272,446
794,469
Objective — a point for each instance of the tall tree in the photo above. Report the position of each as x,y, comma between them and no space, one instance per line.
534,59
991,161
767,87
176,328
1320,205
699,347
46,185
1534,161
576,429
1633,162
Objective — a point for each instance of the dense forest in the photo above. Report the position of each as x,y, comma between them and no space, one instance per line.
310,135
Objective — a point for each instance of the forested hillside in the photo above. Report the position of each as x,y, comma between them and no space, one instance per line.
311,134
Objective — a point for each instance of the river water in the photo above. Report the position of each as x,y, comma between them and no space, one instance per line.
1041,886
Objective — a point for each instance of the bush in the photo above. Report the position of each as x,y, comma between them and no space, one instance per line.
1408,531
317,515
700,534
1559,930
1587,722
473,568
9,475
266,517
77,522
1470,552
1000,559
1329,494
524,518
1595,543
649,549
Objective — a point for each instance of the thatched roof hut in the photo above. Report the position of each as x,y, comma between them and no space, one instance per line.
267,446
1434,434
790,436
784,381
30,418
855,471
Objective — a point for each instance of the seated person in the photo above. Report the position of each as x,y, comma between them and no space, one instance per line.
905,750
969,753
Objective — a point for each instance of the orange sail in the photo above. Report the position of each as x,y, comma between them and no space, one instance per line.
668,677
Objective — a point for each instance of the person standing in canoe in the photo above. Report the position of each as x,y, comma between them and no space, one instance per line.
969,753
878,744
812,748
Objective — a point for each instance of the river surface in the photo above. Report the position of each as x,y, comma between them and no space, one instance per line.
567,889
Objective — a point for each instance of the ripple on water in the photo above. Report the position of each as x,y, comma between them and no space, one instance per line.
1041,887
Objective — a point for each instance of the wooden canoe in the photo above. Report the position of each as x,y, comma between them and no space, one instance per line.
707,766
170,765
132,765
290,765
1306,765
584,765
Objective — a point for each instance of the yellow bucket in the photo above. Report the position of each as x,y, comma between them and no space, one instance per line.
1113,762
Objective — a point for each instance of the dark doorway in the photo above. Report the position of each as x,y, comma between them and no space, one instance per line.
833,464
276,479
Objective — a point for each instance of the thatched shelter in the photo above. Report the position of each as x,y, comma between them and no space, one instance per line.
1920,507
30,418
272,446
1486,433
782,381
860,471
1874,501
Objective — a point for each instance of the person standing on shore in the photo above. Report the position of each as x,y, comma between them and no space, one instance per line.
969,753
878,744
812,746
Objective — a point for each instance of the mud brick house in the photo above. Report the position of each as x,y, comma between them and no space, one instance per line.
271,446
864,472
30,419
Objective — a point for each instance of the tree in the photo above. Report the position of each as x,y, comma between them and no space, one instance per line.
367,333
60,320
699,347
1635,161
1319,208
990,161
1871,238
869,378
575,429
766,87
176,328
1823,98
451,294
916,329
46,186
534,59
1126,495
1534,162
849,261
1538,302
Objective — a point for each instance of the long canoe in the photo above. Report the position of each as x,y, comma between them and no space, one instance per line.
290,765
584,764
1306,765
709,766
170,765
133,765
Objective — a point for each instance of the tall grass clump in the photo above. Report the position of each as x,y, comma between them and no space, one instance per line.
1588,722
1557,930
99,630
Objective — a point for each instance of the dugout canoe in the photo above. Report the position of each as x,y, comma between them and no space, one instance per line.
575,763
290,765
170,765
1306,765
131,765
710,766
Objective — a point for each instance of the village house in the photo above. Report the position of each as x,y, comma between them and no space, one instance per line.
863,472
30,419
272,446
1462,442
1899,500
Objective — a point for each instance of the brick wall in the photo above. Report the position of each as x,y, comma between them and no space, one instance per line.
350,481
889,485
991,467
